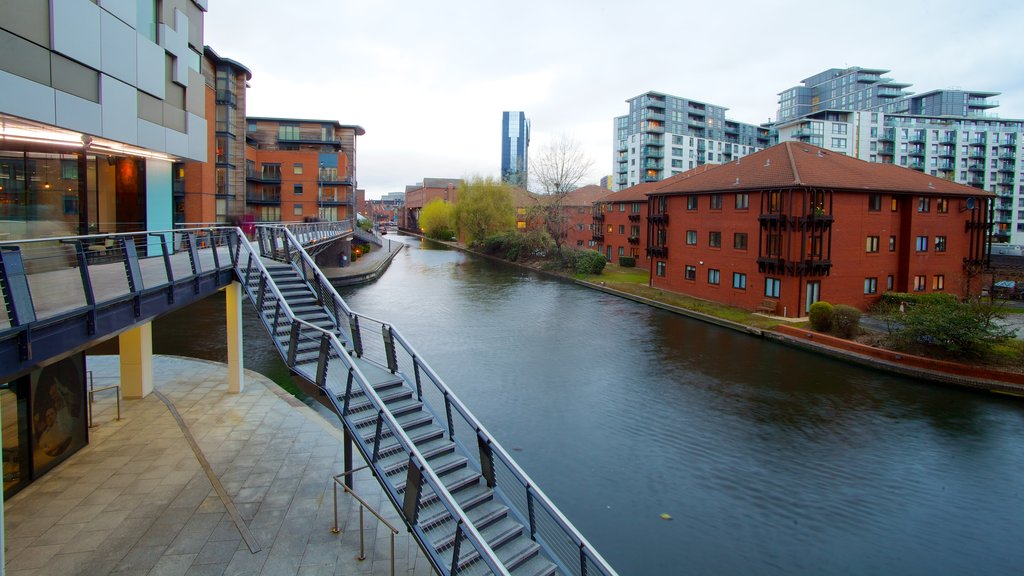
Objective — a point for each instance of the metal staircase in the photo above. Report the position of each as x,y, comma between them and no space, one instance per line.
470,507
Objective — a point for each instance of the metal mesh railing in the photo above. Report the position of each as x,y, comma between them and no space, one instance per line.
67,274
380,344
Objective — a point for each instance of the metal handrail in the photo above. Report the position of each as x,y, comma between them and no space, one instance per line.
529,484
449,502
523,478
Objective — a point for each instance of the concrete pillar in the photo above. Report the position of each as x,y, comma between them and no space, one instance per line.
136,349
233,319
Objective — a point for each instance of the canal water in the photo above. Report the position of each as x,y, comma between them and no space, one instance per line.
765,459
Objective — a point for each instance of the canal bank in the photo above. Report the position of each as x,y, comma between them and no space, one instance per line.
367,268
932,370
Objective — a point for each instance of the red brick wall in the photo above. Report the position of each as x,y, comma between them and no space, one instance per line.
851,263
616,216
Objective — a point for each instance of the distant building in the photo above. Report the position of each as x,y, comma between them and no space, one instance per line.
665,135
608,182
515,147
795,224
422,193
949,134
299,169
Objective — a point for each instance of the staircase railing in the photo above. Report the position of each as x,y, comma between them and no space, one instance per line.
381,344
274,245
279,318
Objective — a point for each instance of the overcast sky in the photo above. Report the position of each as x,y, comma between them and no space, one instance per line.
429,80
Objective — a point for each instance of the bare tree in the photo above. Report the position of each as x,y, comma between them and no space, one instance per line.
557,171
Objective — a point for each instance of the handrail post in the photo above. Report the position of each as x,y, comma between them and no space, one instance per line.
456,549
389,348
293,343
357,338
14,282
413,488
168,269
321,366
90,296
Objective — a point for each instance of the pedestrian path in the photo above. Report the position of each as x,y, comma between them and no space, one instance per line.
137,500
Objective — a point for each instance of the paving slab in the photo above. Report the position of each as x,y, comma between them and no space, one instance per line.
136,499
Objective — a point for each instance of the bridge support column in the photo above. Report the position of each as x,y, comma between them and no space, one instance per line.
136,349
233,318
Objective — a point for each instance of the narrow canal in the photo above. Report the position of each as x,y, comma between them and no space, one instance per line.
768,460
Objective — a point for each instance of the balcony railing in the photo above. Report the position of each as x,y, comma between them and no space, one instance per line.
263,197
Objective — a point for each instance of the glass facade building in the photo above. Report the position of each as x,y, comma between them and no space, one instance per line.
515,146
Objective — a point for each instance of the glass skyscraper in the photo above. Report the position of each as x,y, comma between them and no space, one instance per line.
515,145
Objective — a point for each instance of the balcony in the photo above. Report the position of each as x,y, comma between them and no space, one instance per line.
776,219
654,128
226,97
658,219
886,136
813,222
947,165
977,153
1007,167
947,152
264,176
635,240
917,151
652,165
649,140
949,140
917,138
263,197
335,199
599,217
597,237
916,165
659,116
634,217
976,182
657,251
888,150
982,103
977,167
653,153
1008,155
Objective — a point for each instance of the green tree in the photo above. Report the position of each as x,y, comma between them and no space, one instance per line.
947,326
436,219
484,209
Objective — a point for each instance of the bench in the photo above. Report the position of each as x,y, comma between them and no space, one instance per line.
768,306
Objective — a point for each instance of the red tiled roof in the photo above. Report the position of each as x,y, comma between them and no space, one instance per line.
585,196
795,164
639,192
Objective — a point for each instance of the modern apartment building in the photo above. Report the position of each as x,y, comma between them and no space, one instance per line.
949,134
664,135
795,223
299,169
213,191
96,104
515,147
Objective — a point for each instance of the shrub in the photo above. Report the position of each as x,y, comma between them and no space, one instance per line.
820,316
954,328
627,261
892,300
588,262
845,321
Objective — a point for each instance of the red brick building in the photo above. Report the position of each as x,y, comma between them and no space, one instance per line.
620,224
419,195
793,224
578,215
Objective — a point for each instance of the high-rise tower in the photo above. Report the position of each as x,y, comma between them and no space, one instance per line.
515,145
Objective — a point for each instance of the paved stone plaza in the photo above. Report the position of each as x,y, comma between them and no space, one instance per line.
137,499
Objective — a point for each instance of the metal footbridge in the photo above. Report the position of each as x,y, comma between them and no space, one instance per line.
471,508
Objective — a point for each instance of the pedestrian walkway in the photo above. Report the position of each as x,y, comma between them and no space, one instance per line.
137,500
368,267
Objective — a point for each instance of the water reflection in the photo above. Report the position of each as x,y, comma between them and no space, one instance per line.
770,460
